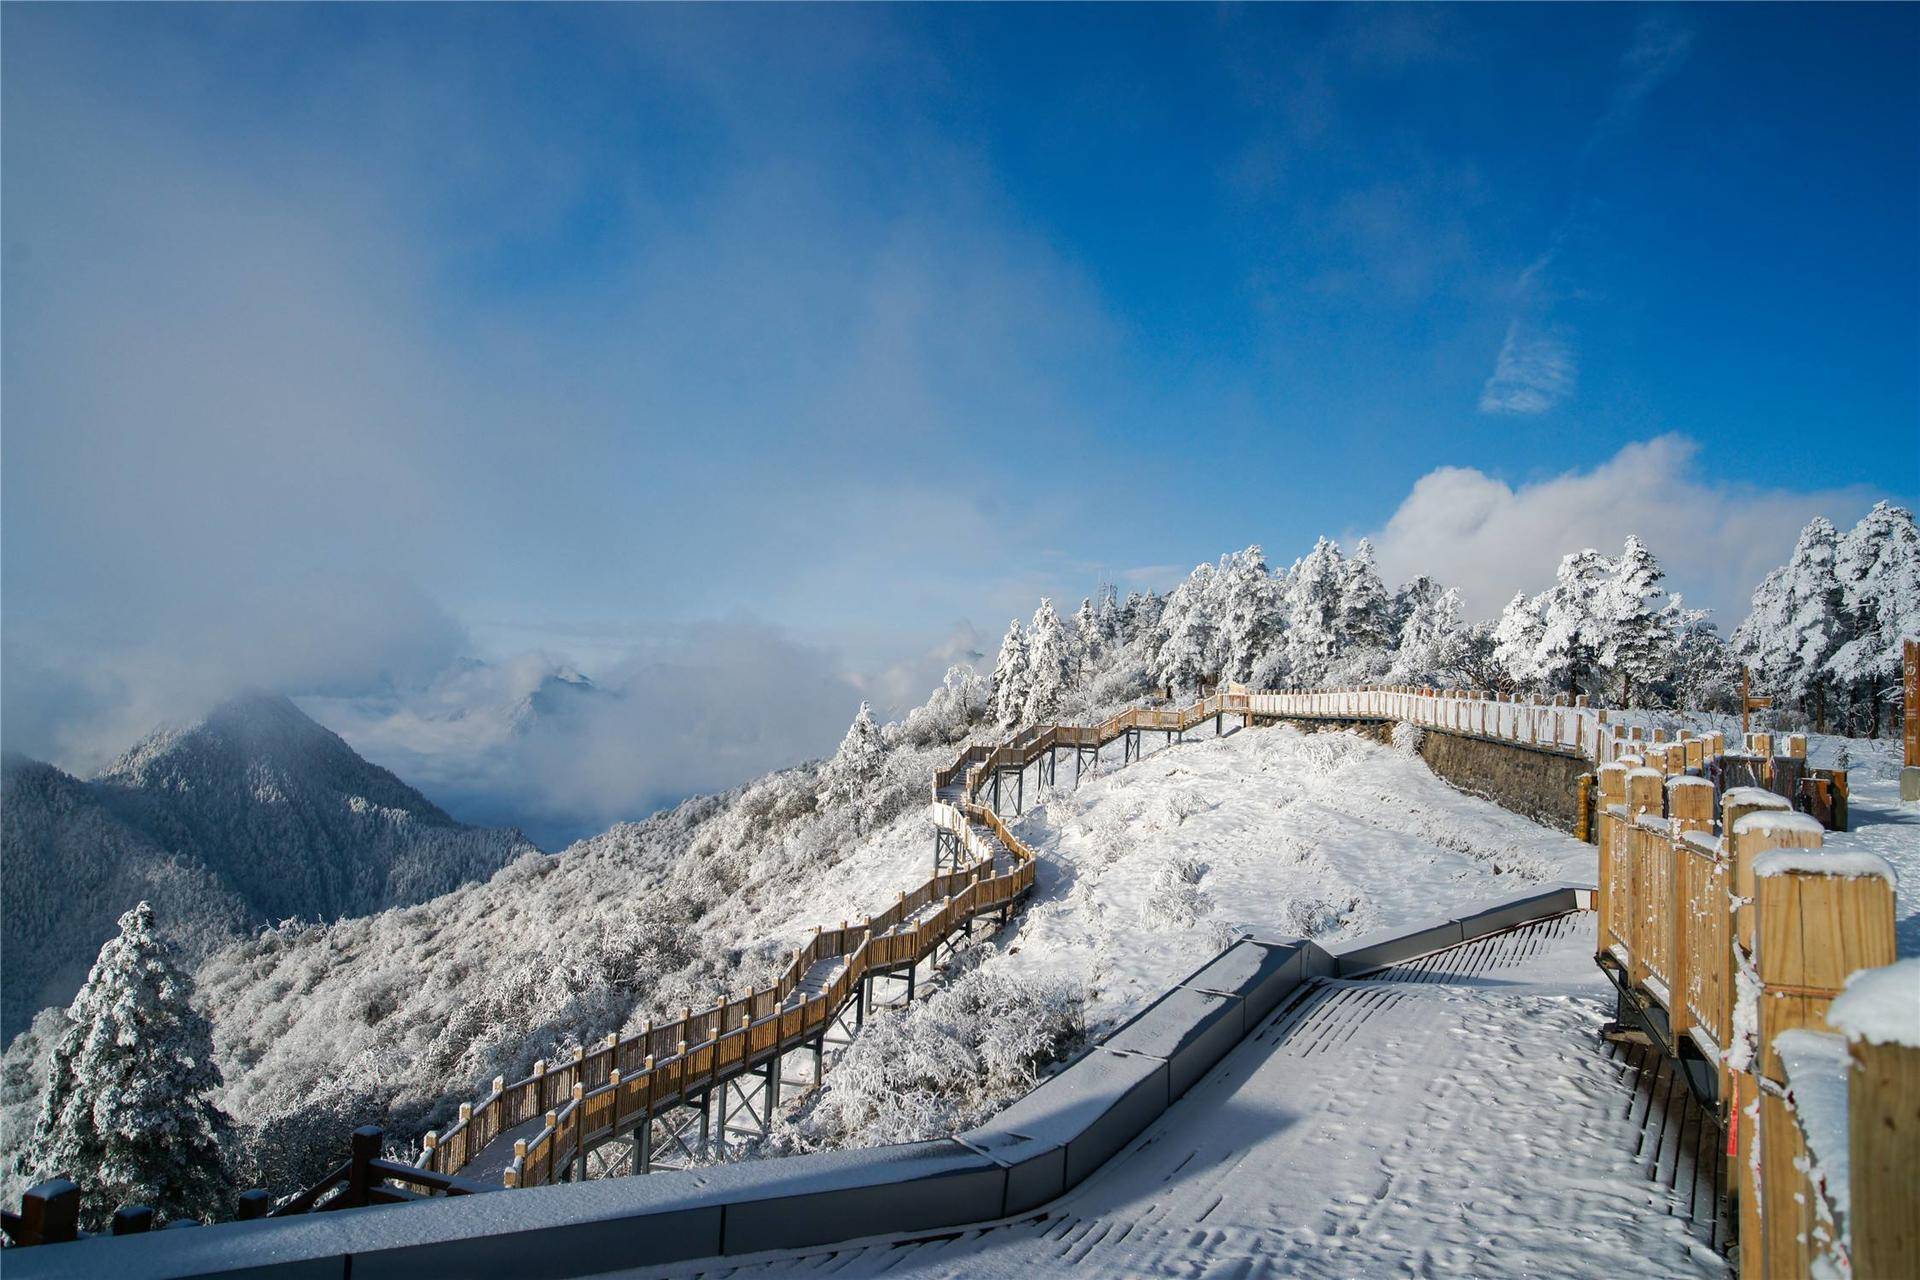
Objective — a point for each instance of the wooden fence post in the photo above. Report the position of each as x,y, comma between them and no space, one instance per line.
364,1149
1643,800
1818,918
1879,1013
1689,808
49,1214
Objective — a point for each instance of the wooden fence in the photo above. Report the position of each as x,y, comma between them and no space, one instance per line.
1731,931
605,1092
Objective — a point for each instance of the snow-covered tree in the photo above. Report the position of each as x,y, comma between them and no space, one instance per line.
1187,651
951,712
1313,599
127,1112
1431,640
1572,629
1516,640
1088,644
849,777
1877,566
1248,612
1798,622
1633,643
1109,619
1366,614
1010,678
1704,673
1050,664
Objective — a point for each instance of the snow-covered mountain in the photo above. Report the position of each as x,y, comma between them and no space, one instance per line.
253,815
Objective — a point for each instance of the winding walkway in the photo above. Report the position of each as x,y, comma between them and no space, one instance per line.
539,1129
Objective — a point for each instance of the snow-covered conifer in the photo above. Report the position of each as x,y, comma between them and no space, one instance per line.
1187,649
1877,566
1248,612
1010,678
1087,641
1365,611
1516,639
1633,642
1313,597
1573,629
1050,664
1798,622
127,1112
849,776
1704,674
1431,639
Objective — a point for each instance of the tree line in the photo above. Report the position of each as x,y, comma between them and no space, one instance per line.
1823,635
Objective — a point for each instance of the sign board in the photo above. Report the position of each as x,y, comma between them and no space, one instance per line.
1911,707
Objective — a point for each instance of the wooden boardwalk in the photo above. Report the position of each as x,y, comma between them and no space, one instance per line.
541,1128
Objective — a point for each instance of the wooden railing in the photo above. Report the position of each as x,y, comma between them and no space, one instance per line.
1728,935
626,1081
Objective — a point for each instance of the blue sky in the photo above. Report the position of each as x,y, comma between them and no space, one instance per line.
344,340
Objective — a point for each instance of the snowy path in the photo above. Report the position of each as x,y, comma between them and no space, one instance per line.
1454,1117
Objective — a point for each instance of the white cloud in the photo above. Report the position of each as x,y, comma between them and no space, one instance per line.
1490,539
1536,371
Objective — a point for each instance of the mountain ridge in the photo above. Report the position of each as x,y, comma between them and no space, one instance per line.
252,815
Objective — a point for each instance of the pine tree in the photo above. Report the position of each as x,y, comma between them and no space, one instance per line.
1798,622
1365,612
1111,619
1313,599
1248,613
1087,641
1516,639
1049,664
1420,590
1573,629
1431,640
1010,678
1633,644
1877,566
127,1112
1705,673
855,766
1186,653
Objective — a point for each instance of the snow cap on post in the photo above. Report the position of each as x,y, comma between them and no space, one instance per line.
1880,1006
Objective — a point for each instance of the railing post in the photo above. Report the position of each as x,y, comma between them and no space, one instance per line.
1643,800
1689,808
49,1214
364,1149
1817,919
137,1219
250,1205
1613,791
1879,1013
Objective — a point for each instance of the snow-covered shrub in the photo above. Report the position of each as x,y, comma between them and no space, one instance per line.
1407,737
940,1065
1177,901
1311,917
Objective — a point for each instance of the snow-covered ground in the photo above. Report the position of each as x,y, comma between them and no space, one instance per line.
1464,1126
1147,870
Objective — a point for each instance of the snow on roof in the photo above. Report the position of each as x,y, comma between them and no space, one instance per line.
1823,862
1778,822
1881,1006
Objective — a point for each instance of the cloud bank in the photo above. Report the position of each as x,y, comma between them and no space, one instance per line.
1490,539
